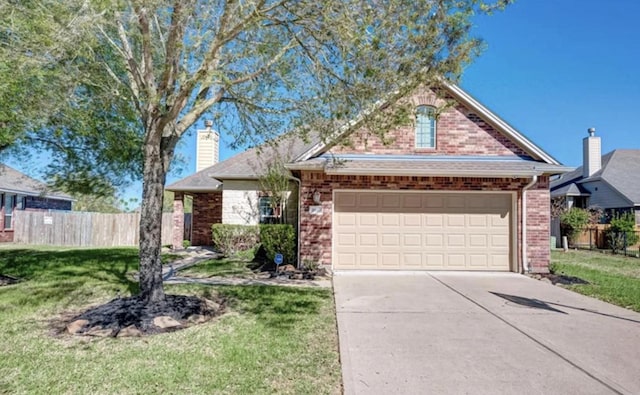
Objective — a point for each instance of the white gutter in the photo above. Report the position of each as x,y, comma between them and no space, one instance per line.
525,262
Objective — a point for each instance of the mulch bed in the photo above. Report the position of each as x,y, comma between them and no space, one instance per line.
132,317
7,280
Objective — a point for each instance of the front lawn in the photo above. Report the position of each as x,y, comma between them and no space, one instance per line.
273,340
612,278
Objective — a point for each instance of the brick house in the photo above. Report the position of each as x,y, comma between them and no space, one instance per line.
447,193
21,192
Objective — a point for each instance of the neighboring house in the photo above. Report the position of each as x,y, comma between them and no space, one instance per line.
610,182
21,192
447,193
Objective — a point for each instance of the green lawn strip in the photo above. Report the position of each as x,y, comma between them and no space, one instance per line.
273,340
225,267
610,278
605,262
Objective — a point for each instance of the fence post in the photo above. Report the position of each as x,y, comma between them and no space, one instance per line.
624,239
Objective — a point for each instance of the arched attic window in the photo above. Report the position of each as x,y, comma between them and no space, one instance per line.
425,127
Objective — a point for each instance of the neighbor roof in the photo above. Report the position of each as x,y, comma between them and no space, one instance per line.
620,169
13,181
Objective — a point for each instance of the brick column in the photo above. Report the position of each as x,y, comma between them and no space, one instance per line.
178,219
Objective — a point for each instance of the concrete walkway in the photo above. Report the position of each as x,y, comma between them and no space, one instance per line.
485,333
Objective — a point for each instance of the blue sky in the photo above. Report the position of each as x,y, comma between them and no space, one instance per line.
552,69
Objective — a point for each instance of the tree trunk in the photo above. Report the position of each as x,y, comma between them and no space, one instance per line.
156,160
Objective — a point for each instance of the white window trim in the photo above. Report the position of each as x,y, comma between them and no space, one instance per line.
435,128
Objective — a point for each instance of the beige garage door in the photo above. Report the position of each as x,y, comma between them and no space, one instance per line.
422,231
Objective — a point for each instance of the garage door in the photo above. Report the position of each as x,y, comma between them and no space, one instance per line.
422,231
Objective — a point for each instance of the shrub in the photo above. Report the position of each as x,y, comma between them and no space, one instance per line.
573,222
231,239
279,239
622,231
186,243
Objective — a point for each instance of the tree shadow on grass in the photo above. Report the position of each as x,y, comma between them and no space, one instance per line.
277,307
56,275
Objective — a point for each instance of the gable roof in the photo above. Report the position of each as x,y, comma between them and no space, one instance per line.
246,165
299,154
467,100
13,181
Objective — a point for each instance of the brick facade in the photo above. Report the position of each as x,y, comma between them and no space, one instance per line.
459,132
207,210
316,230
538,226
178,220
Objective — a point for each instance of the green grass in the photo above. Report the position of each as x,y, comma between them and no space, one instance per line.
273,340
612,278
226,267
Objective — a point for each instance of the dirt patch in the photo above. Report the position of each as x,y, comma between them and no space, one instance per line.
559,279
7,280
132,317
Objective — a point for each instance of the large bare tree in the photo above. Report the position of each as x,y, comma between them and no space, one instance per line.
258,68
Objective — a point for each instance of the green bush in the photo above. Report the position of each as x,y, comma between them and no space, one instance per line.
232,239
622,231
279,239
573,222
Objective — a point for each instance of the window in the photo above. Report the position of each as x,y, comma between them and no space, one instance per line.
266,210
9,204
425,127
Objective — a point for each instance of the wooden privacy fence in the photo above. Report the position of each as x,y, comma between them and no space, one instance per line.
83,229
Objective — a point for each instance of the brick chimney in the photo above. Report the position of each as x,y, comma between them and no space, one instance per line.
207,147
591,154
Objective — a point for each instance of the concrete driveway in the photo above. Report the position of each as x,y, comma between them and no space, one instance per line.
485,333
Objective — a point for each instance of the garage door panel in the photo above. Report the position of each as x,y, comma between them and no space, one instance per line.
346,219
476,241
455,261
368,240
346,240
434,240
390,219
412,260
433,201
498,241
456,221
391,200
433,220
412,220
412,239
391,260
411,201
422,231
456,240
367,260
367,200
434,261
391,240
345,201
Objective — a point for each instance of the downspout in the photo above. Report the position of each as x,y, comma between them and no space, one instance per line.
525,262
298,214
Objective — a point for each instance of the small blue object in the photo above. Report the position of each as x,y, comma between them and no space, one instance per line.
278,259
